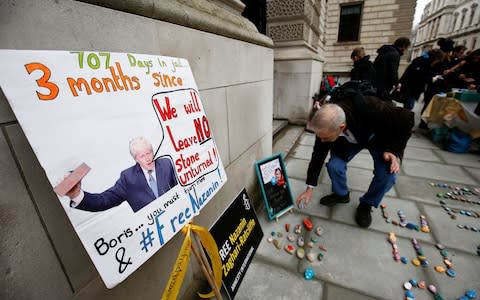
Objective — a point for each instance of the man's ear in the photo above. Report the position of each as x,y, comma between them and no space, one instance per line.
343,126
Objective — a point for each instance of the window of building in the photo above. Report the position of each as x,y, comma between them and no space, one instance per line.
349,28
474,43
455,16
464,13
472,13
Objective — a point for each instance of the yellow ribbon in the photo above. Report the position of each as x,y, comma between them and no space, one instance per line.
179,269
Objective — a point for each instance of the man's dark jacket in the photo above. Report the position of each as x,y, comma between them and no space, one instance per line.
416,76
386,69
374,123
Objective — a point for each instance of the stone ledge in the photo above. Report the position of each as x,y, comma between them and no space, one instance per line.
198,14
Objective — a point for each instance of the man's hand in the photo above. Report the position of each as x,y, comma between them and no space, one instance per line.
394,161
304,198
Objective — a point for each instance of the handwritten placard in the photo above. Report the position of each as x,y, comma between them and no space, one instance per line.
132,130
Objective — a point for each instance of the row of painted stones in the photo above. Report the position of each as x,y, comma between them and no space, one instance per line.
403,220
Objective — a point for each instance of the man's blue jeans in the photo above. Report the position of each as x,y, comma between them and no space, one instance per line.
409,103
381,183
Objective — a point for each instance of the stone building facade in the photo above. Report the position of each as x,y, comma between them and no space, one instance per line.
458,20
297,28
379,22
41,255
316,37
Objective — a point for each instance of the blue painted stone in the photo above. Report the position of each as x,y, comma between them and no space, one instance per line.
451,273
409,294
309,273
413,282
404,260
463,298
471,294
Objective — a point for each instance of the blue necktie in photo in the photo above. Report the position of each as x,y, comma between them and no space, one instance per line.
153,184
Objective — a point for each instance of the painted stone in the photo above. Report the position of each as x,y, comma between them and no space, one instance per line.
309,273
311,256
471,294
319,230
415,262
308,224
290,248
451,273
300,253
421,284
291,237
439,269
407,285
300,241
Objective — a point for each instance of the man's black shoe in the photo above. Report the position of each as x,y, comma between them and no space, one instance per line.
334,199
363,215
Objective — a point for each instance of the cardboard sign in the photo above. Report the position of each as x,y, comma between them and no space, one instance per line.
133,130
273,180
237,234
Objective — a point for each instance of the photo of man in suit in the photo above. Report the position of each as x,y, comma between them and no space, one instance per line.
139,185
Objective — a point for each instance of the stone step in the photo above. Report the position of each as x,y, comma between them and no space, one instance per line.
278,125
286,138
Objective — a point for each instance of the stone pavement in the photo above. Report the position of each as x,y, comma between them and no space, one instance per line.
358,263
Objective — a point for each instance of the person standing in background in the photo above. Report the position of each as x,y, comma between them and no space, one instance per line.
418,73
386,67
362,66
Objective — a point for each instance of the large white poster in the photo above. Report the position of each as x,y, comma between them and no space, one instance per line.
132,127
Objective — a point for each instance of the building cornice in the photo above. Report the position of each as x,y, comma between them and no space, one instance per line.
197,14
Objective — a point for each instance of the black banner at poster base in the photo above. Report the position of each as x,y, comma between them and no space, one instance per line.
237,234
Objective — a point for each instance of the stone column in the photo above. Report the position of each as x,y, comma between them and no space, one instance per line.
294,27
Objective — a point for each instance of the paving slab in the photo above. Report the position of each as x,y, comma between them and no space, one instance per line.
420,141
421,154
302,152
447,232
337,292
358,179
476,174
345,213
307,139
460,159
296,168
361,260
313,208
266,281
437,171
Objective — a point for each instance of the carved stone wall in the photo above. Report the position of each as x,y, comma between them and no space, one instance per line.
286,32
294,20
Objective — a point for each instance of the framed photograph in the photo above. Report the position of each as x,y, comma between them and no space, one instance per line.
273,180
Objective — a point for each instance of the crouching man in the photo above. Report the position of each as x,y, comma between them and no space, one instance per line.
344,129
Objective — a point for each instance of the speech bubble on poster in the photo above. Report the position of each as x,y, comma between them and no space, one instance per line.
98,122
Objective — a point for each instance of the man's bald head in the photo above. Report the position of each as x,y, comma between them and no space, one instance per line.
328,122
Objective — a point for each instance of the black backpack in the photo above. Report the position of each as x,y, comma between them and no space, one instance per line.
353,90
350,89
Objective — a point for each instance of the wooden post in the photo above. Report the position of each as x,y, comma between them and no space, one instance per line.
204,264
